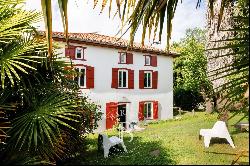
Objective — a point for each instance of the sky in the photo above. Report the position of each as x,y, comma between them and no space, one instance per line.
84,19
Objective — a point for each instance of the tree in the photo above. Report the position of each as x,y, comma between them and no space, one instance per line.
191,83
228,57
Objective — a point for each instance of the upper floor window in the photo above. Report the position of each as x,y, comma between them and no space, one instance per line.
81,76
150,60
147,60
148,110
122,78
125,58
79,53
147,79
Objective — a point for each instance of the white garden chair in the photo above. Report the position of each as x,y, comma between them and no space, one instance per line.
109,142
219,130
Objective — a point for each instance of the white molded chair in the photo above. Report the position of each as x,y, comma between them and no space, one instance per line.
109,142
219,130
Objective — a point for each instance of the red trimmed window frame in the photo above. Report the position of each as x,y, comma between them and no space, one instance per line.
83,51
154,79
128,56
86,66
127,81
145,56
120,54
154,107
128,78
153,60
151,71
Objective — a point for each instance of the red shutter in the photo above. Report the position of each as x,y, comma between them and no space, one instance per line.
111,115
154,61
129,58
90,80
155,79
70,52
114,83
141,111
155,108
141,79
131,79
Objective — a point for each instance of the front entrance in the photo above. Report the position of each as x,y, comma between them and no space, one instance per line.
122,114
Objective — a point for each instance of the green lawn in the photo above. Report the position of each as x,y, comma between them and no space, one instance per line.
176,140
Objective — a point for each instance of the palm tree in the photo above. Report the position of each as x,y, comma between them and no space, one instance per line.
214,35
46,117
226,50
15,49
17,43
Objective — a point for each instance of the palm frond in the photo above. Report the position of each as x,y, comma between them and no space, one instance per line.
14,21
236,72
143,12
47,14
18,56
49,112
63,5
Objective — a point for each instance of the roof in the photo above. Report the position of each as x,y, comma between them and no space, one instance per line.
108,41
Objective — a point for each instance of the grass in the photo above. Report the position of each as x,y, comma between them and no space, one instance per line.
176,140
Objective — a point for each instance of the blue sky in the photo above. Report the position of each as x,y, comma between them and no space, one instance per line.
83,18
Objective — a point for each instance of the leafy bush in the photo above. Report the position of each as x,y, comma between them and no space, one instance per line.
187,99
191,83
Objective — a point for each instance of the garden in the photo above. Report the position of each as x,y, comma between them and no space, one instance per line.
171,142
43,120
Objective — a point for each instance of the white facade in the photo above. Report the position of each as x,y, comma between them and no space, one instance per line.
103,59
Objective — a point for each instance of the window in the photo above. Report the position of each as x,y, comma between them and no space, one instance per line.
147,60
147,79
123,57
81,77
122,78
148,110
79,53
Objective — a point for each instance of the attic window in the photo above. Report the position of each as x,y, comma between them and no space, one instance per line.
123,57
79,53
147,60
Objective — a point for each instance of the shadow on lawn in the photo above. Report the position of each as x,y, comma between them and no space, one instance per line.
238,131
139,153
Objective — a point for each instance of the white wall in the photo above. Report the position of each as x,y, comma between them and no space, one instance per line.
104,59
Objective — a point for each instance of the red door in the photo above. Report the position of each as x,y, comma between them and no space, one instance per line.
111,114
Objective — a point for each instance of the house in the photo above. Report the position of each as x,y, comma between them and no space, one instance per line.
128,84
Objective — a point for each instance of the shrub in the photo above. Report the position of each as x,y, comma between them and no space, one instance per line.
187,99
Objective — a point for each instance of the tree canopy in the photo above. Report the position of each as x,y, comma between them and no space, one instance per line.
191,83
190,71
